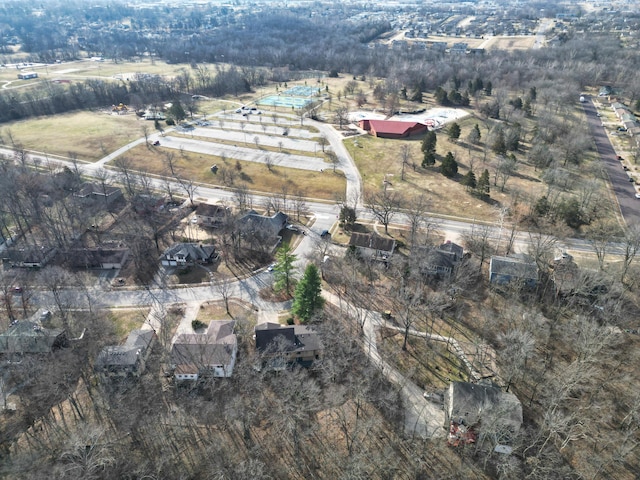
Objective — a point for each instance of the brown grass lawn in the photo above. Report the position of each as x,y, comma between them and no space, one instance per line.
216,311
427,364
378,158
323,185
91,135
127,319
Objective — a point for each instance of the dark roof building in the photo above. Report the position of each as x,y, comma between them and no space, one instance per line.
262,231
283,345
211,215
480,408
504,270
26,336
182,254
28,257
98,258
272,225
372,244
128,359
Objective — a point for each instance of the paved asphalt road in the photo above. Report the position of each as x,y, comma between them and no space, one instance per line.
624,190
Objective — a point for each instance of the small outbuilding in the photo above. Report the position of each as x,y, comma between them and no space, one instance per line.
27,75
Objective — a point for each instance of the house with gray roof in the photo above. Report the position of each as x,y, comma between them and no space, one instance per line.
95,192
372,245
438,262
211,353
284,345
514,268
29,336
127,360
262,230
211,215
183,254
473,409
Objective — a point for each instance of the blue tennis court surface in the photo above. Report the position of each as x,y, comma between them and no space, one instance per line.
294,97
284,101
302,91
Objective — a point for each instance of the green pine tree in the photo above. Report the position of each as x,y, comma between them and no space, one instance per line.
483,186
429,148
469,180
307,299
454,131
283,269
449,166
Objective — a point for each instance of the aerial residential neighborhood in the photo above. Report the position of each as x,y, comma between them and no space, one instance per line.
319,240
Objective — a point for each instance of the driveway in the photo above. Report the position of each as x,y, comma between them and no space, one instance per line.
623,189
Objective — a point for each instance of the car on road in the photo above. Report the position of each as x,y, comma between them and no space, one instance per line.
271,267
17,290
637,195
156,143
619,157
598,114
622,129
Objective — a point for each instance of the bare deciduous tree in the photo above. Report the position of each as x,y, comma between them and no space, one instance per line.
384,205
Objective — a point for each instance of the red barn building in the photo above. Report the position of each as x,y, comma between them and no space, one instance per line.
391,128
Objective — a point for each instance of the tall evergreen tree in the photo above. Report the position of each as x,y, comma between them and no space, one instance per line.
454,131
469,180
483,186
429,148
307,298
283,269
449,166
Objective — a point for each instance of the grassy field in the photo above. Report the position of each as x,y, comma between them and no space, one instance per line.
379,159
127,319
90,135
323,185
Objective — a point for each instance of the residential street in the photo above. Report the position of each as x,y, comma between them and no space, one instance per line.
623,189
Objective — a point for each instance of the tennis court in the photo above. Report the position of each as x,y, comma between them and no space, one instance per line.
284,101
294,97
302,91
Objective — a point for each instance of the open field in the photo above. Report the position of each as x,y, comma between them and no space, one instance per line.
379,159
323,185
81,69
90,135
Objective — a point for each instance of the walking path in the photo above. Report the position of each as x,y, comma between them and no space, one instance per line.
422,418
